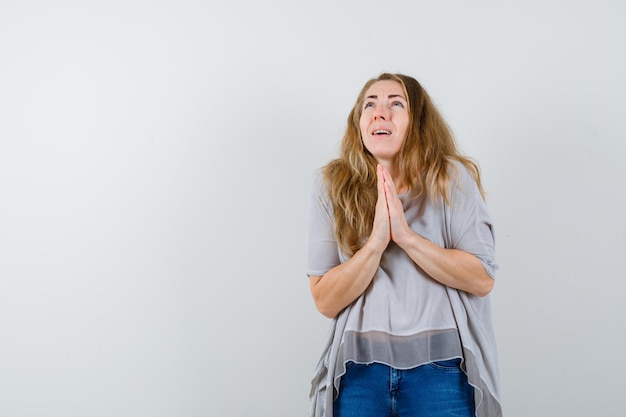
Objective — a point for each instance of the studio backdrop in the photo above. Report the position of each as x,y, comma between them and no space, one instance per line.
155,164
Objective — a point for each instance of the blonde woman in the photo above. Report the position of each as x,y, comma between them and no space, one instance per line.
401,258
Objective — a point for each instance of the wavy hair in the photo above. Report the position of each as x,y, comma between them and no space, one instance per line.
424,164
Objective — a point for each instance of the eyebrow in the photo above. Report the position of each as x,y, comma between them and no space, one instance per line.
391,96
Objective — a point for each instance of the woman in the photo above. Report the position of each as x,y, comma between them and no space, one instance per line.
401,257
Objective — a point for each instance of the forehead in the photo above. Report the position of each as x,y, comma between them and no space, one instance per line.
385,88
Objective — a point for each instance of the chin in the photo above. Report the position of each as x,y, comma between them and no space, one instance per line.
384,156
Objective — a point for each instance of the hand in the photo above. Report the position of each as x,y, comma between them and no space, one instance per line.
399,228
381,229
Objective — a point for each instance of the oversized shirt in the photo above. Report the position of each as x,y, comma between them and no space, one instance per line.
405,318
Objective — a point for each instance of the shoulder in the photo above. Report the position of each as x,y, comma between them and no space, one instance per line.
326,176
460,174
319,195
319,186
463,179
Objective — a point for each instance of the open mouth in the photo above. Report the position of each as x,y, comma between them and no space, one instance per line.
382,132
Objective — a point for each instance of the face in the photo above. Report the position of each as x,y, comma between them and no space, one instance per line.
385,120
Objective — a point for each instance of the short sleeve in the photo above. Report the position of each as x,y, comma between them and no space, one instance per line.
469,225
323,253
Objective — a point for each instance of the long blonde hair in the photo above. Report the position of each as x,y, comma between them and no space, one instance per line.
422,164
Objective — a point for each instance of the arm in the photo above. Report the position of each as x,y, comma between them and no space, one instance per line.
344,283
452,267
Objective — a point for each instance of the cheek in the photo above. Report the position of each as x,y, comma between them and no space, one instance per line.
362,132
404,125
362,124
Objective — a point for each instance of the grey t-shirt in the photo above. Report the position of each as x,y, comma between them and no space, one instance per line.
405,318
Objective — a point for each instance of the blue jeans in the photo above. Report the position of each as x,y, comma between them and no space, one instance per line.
435,389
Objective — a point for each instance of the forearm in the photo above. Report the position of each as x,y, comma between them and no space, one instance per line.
452,267
344,283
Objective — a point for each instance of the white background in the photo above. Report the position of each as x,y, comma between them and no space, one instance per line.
155,160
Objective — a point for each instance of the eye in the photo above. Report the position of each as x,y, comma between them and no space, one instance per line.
398,104
368,105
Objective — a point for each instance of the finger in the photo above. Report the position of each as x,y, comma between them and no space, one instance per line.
380,174
394,204
390,191
389,180
381,228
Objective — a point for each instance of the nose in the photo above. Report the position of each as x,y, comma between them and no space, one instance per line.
381,113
